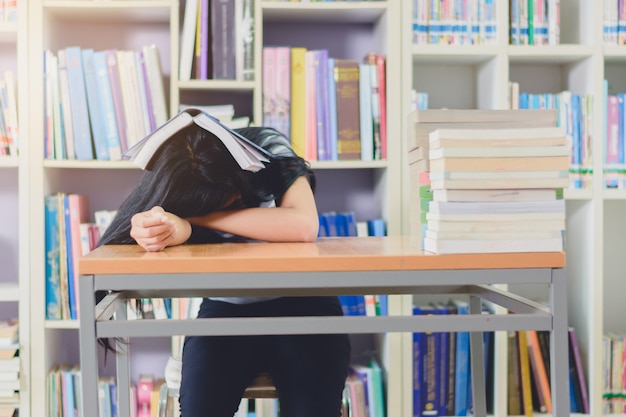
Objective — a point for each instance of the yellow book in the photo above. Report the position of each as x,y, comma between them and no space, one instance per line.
298,100
527,397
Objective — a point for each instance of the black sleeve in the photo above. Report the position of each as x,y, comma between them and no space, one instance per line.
285,167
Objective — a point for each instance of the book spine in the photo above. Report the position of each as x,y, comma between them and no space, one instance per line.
365,113
348,118
223,39
298,86
78,96
109,119
53,285
94,102
116,95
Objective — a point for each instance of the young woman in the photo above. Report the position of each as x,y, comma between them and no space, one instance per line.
195,192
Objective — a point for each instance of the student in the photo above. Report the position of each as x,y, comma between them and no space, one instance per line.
194,192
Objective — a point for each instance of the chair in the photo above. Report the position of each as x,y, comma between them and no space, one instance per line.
261,387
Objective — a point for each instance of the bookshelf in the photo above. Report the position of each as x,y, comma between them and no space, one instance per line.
454,76
477,76
364,187
14,177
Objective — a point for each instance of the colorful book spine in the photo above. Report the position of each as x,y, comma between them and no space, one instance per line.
297,110
365,113
348,118
78,97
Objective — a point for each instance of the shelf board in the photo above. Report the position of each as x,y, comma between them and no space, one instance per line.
112,10
9,161
559,54
9,292
577,194
324,12
62,324
613,194
93,164
614,53
459,54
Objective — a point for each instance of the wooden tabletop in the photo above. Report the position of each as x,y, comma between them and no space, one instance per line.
325,254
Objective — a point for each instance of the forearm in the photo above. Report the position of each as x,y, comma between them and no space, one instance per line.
278,224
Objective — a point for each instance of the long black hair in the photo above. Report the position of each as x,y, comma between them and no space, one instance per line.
193,174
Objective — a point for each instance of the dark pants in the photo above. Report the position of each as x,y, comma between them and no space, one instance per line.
309,371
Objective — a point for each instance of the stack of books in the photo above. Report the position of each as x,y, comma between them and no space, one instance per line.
487,187
9,368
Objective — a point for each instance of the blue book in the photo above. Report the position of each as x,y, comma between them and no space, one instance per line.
107,105
418,361
71,290
376,227
321,105
67,381
346,224
332,110
462,373
53,284
441,357
94,103
78,104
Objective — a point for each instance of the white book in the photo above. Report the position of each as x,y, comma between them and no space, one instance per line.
525,234
490,217
188,40
249,156
64,90
470,226
492,246
156,87
481,175
486,207
531,136
540,194
498,151
502,183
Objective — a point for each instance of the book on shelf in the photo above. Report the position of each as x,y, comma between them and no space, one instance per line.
346,75
249,156
298,93
449,246
365,113
9,351
498,152
501,226
580,382
100,129
538,369
473,195
532,136
525,377
81,125
488,207
8,332
187,40
222,51
513,372
500,164
512,183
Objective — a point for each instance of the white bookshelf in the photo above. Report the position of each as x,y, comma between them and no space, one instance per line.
476,77
14,175
454,76
368,188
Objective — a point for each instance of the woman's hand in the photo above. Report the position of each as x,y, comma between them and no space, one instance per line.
156,229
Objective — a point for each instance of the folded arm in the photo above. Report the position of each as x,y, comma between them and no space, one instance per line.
295,220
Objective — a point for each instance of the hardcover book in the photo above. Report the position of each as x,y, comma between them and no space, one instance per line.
249,156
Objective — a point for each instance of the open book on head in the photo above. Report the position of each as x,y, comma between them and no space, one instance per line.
248,155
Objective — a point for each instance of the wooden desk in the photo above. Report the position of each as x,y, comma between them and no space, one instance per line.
341,266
